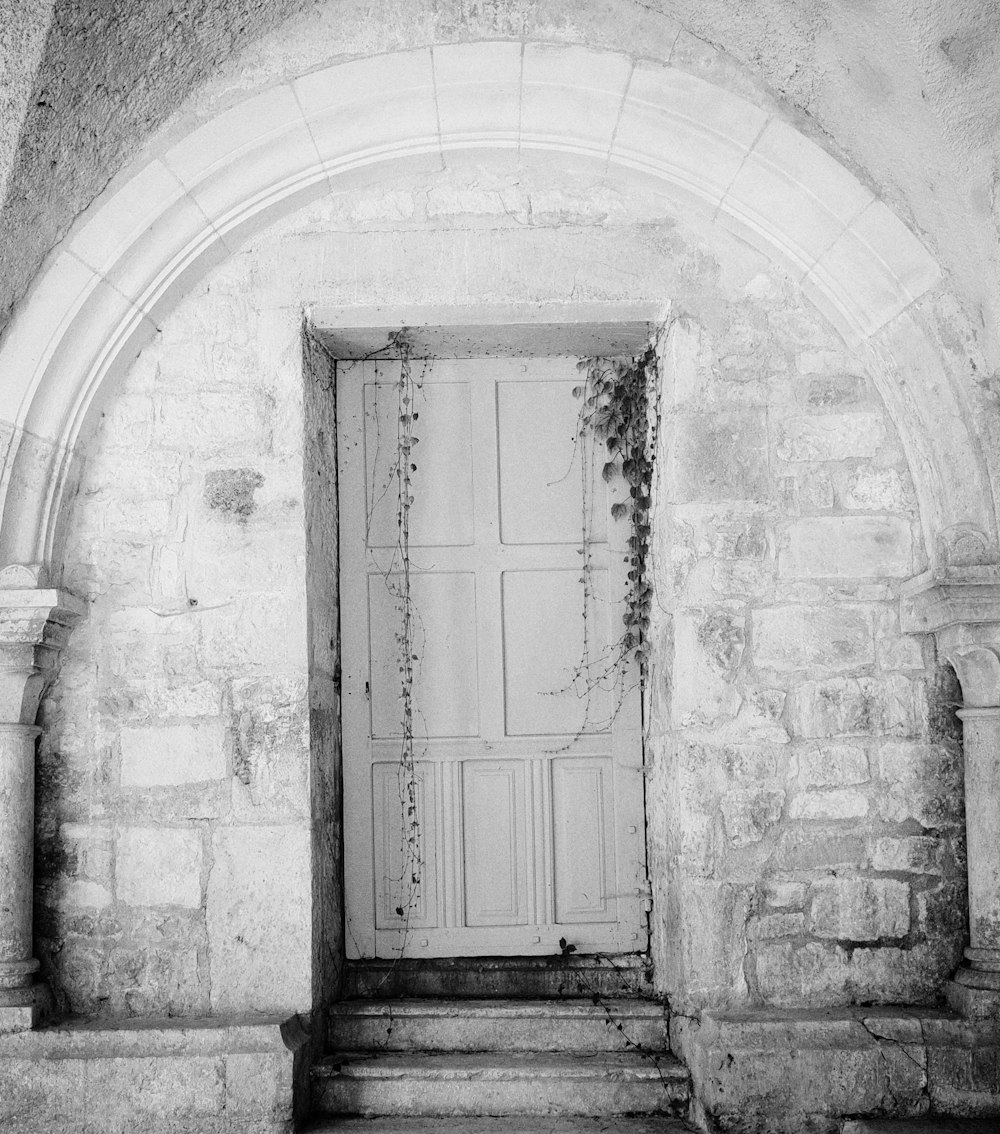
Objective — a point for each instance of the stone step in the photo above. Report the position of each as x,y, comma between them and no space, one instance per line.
532,978
497,1025
929,1124
498,1083
514,1124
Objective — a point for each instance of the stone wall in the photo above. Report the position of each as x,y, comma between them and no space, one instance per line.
174,825
803,795
807,781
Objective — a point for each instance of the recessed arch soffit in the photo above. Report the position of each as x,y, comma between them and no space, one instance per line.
148,239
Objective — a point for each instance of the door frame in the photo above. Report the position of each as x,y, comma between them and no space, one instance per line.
348,334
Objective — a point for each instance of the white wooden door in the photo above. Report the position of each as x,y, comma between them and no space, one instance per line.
529,810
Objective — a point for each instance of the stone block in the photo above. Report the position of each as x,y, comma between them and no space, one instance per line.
748,763
815,491
271,746
712,946
860,909
913,854
259,915
259,632
846,547
742,578
159,866
791,973
82,894
708,647
790,639
873,489
770,926
202,1076
832,390
851,706
843,804
258,1085
829,436
750,814
155,698
832,765
819,850
920,781
720,456
193,752
785,895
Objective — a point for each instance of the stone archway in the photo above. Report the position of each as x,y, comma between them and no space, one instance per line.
145,242
151,239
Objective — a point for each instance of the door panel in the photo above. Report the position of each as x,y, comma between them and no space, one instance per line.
495,883
529,813
543,643
445,684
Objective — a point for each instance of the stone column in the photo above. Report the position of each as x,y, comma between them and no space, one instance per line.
34,627
961,607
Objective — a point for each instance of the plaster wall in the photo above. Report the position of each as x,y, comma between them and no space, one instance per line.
803,793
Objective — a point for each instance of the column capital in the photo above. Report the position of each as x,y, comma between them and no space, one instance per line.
961,607
35,624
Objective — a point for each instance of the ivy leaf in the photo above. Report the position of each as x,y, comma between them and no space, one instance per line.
619,510
608,472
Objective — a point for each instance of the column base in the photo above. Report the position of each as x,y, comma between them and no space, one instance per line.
974,994
24,1009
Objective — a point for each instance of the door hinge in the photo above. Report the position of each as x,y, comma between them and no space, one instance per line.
645,891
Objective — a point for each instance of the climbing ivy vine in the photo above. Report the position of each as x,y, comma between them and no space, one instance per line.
618,410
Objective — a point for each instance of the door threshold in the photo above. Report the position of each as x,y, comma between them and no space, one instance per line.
553,977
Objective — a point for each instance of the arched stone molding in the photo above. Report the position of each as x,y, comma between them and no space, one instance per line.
144,244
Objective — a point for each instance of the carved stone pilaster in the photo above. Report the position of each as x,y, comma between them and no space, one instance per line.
34,627
961,607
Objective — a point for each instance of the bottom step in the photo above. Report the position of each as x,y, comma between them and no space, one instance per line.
929,1124
519,1124
508,1083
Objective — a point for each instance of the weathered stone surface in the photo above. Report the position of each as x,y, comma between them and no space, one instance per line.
168,1077
874,489
860,909
849,706
829,436
145,698
783,895
832,765
815,491
920,781
708,964
720,456
831,390
173,754
896,650
843,804
809,849
749,814
271,746
791,639
159,866
845,547
711,642
778,925
259,912
913,854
